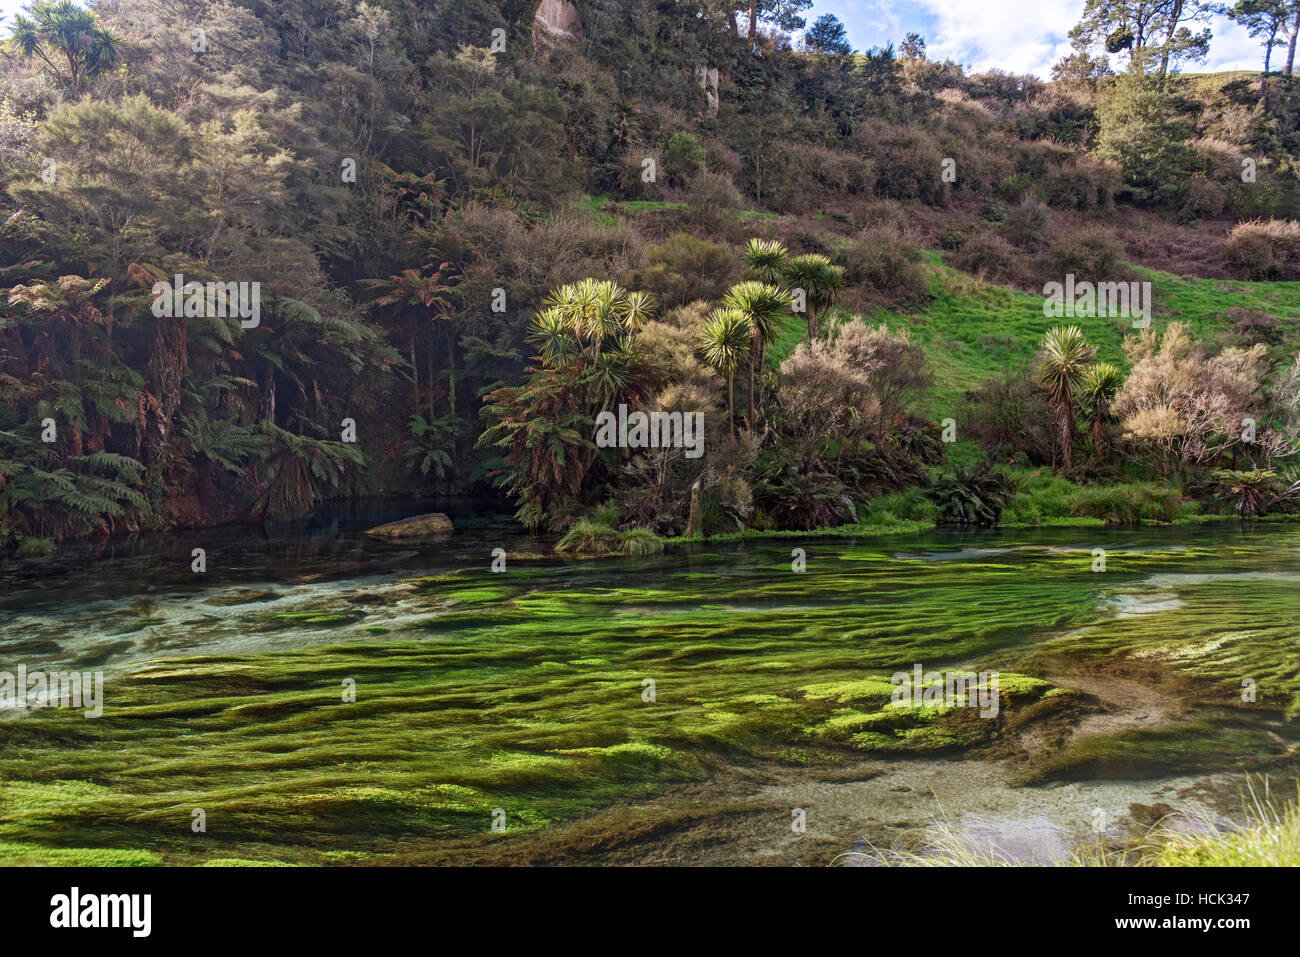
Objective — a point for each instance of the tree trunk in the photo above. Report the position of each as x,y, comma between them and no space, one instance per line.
451,391
753,22
1263,80
268,394
731,400
1099,442
415,378
694,523
1175,15
753,356
428,374
1067,434
168,354
1290,50
451,373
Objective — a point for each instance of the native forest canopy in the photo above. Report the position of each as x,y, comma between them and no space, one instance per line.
474,226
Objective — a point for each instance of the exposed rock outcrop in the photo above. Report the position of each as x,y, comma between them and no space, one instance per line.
417,526
557,19
708,79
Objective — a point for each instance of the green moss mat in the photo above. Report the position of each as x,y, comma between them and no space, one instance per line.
531,696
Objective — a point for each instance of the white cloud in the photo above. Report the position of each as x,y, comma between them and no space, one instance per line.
1019,36
1028,36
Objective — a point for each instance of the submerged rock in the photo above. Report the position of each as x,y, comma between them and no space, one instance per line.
241,596
417,526
325,571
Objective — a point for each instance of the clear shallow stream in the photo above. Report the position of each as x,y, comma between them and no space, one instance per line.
526,691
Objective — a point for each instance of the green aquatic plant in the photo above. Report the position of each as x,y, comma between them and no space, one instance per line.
589,537
640,541
529,693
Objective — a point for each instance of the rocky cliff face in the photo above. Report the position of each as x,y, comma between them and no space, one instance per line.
557,19
708,77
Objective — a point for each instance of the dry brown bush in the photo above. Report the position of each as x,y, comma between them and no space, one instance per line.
987,256
1265,249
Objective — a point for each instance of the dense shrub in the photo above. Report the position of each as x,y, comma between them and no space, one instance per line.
1248,492
1040,498
1128,504
1265,249
993,212
881,264
1250,326
502,246
1093,254
974,496
910,505
1011,188
1010,416
1027,222
1143,129
1205,199
640,541
589,538
908,166
821,171
684,269
985,255
671,346
953,238
796,499
1255,200
1084,183
683,156
713,197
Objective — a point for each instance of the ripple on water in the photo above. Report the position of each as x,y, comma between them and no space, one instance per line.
1130,604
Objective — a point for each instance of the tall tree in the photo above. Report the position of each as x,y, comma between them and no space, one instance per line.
588,314
1063,358
1263,19
68,41
782,14
1291,28
1151,32
762,305
1100,384
913,47
820,282
724,340
827,35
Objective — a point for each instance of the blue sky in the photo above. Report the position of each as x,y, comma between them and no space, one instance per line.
1021,36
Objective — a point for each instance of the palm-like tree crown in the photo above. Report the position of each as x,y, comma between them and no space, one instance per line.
592,312
725,339
765,260
762,305
815,274
68,40
1063,358
1101,382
